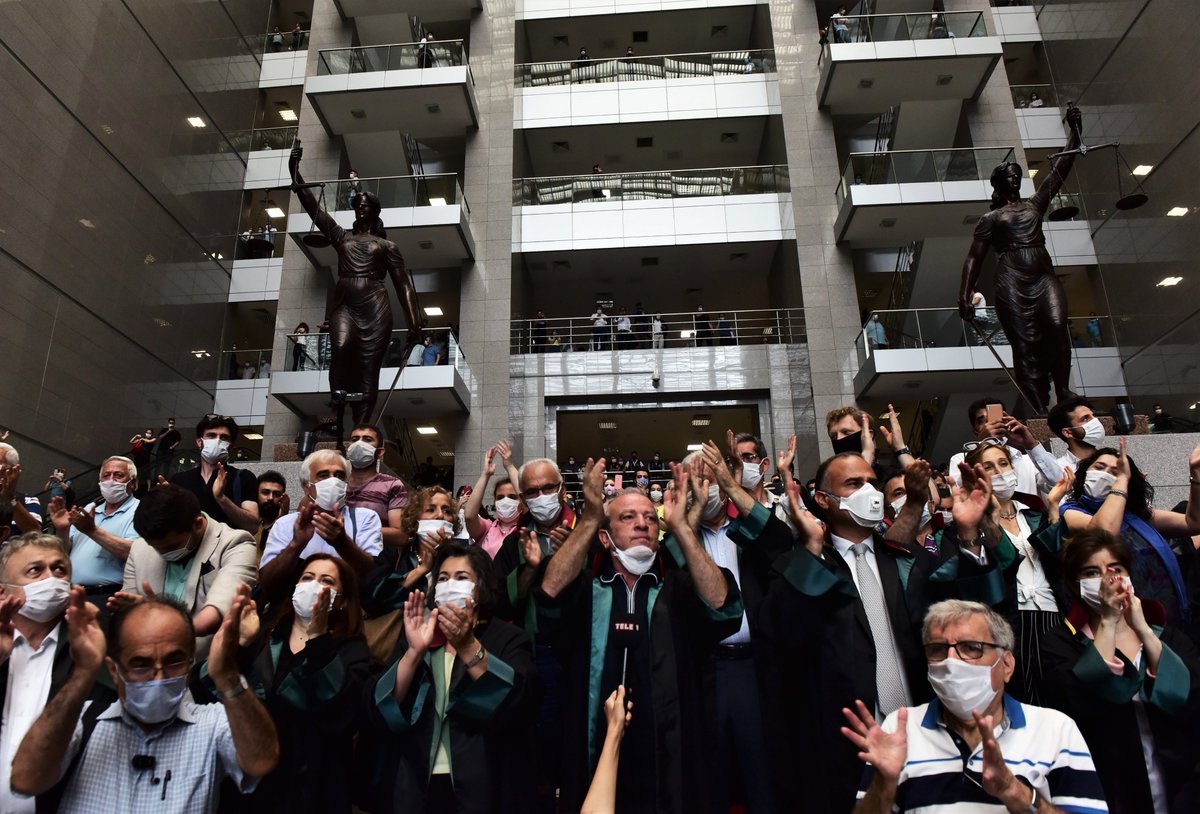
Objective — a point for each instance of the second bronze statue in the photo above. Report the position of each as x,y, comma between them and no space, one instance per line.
1030,300
360,316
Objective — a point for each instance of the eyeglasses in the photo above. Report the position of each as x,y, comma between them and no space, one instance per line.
967,651
749,457
534,491
216,417
147,672
990,441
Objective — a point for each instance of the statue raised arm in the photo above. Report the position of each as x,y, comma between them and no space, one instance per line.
1030,300
360,317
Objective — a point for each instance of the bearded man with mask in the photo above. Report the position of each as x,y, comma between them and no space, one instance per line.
1018,757
326,524
226,494
154,749
843,612
368,488
99,536
637,619
186,555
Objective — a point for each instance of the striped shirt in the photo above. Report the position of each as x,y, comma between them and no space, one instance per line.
1042,746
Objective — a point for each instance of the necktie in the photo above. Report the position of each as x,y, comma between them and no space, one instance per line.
888,684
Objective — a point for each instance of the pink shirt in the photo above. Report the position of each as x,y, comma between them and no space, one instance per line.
494,533
380,494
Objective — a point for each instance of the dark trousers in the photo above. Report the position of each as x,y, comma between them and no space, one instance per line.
744,764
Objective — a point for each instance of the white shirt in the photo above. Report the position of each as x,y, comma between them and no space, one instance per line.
1033,589
28,690
598,320
366,531
1027,474
656,326
623,323
724,553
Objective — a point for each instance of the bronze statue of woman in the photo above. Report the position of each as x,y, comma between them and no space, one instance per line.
1030,300
360,321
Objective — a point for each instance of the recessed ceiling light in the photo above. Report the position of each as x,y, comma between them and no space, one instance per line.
695,447
1143,169
201,353
701,422
252,436
445,453
1192,406
437,201
195,121
433,311
1033,171
149,259
607,425
287,114
427,430
1177,211
274,212
1169,281
162,323
87,223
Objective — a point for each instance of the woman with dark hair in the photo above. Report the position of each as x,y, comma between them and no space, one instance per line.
300,346
1034,584
1129,681
311,662
360,317
1030,300
452,715
1112,494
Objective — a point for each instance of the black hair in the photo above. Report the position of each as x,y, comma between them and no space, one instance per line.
373,221
1141,493
165,510
1082,545
373,428
999,196
119,617
271,476
214,422
824,467
1059,417
760,449
981,404
487,582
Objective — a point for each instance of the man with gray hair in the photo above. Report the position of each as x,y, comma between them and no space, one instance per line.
99,536
1017,757
325,524
26,509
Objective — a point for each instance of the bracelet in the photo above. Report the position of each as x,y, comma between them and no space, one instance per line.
1120,492
241,687
475,659
903,451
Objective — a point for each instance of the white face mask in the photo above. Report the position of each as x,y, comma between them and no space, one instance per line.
656,495
1098,483
1004,485
304,598
454,592
751,475
214,450
507,508
1093,431
712,506
962,687
637,560
545,508
113,491
45,599
432,526
865,505
1089,591
360,454
926,515
331,492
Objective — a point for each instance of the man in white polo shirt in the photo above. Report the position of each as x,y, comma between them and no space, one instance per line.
973,748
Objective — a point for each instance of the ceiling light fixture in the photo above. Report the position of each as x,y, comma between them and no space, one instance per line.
1177,211
252,436
1033,171
1169,281
437,201
274,212
195,121
427,430
201,353
287,114
87,223
695,447
1143,169
433,311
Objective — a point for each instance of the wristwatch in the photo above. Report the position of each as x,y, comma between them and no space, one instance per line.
903,451
241,687
475,659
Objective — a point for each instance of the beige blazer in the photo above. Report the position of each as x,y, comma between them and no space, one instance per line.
226,558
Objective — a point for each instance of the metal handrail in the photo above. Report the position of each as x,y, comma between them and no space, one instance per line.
410,56
423,189
317,351
1047,94
902,27
637,68
885,160
761,326
652,184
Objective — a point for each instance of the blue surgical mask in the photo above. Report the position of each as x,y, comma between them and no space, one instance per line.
157,701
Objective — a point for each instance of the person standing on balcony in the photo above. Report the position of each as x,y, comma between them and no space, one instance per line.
656,332
840,25
599,329
876,335
624,330
297,38
537,333
275,40
425,50
360,320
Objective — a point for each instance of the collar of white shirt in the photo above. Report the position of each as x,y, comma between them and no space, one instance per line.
843,545
48,642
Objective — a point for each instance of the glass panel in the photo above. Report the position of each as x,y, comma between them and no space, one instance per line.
636,68
274,138
905,27
249,363
1034,96
600,187
915,167
402,56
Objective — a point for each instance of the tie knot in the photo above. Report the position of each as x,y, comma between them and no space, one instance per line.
860,549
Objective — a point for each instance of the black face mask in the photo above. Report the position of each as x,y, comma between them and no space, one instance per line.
268,511
849,443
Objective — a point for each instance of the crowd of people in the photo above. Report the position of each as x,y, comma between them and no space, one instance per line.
1013,631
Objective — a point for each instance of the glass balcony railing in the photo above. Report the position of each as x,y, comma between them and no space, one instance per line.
257,244
245,363
658,184
277,42
400,190
1034,96
399,57
633,69
930,25
684,329
923,328
921,166
312,351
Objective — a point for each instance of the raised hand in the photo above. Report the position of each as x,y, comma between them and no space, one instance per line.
812,531
84,634
592,478
916,481
427,546
675,510
1123,472
249,624
9,478
731,446
971,500
712,456
332,529
489,461
318,625
558,536
9,605
531,546
458,624
59,515
83,519
294,161
505,450
123,599
222,657
886,751
1115,593
1017,433
218,484
1063,488
784,461
699,485
868,437
302,532
419,629
998,779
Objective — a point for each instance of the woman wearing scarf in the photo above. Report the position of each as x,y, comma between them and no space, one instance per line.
1111,494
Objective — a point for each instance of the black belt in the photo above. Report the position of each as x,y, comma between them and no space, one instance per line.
734,652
